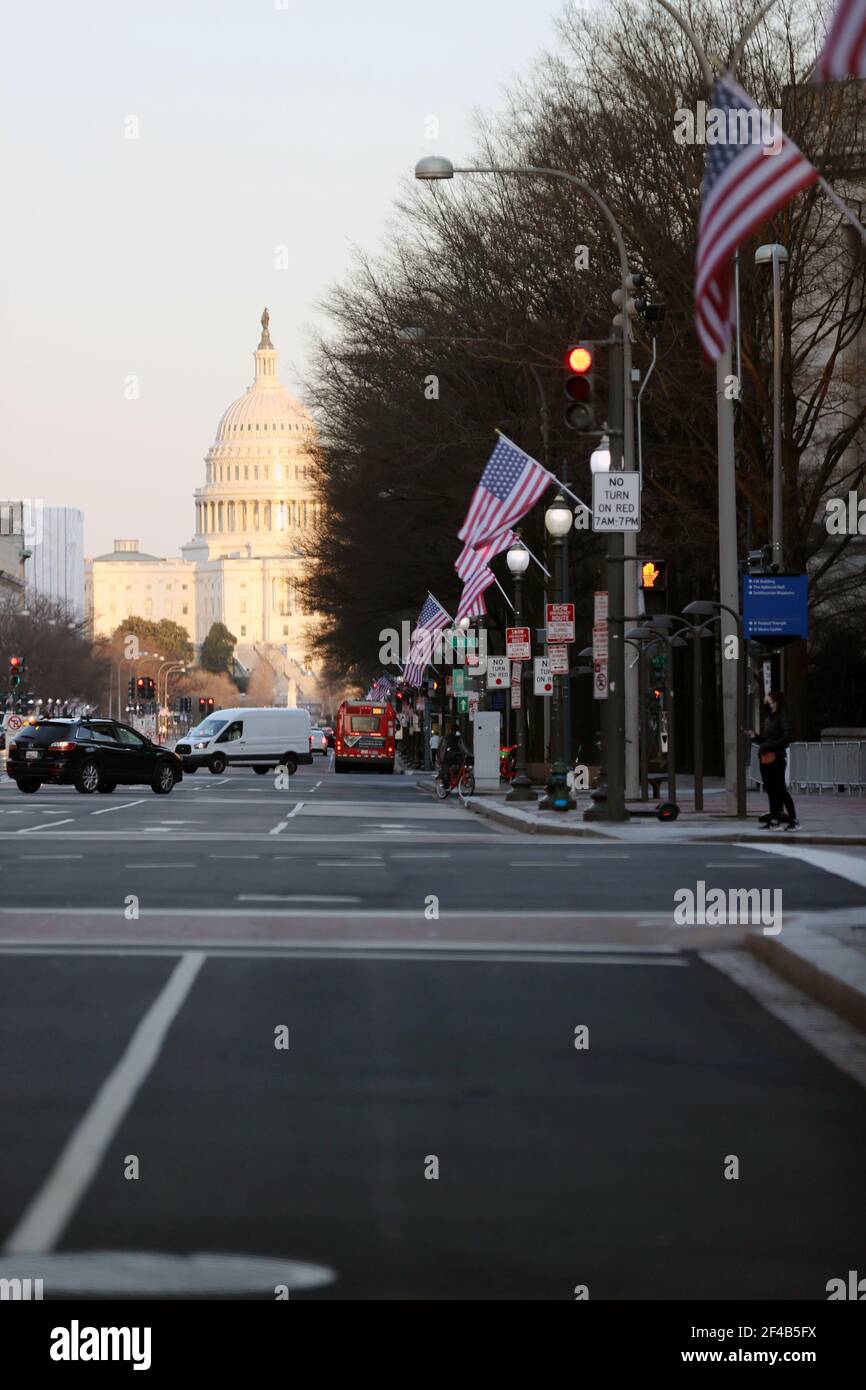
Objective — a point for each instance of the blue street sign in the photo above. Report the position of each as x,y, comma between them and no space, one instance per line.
775,605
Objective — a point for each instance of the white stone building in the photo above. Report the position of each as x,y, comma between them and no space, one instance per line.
244,563
54,569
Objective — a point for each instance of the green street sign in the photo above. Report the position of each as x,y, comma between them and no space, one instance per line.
458,679
462,704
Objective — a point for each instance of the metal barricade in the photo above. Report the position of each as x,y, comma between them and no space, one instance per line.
836,766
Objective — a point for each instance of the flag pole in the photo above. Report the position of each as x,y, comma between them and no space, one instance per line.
542,567
502,591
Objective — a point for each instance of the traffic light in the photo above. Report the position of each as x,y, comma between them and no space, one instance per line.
657,693
580,386
202,704
150,687
210,703
626,305
16,668
399,696
654,575
130,688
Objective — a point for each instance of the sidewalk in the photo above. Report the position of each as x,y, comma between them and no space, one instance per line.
825,820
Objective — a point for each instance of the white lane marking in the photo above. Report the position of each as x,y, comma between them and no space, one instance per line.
168,865
234,856
121,807
143,1273
295,898
281,825
840,1042
604,857
832,861
350,864
46,825
399,950
315,784
45,1219
295,809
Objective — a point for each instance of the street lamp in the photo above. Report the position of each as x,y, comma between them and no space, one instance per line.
517,559
558,520
622,568
599,459
775,255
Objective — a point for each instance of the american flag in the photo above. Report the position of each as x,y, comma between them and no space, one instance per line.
472,558
844,51
510,484
431,619
472,603
382,689
744,185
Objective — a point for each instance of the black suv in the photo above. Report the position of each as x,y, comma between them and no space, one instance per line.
93,754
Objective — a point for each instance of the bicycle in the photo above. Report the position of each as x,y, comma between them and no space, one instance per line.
460,776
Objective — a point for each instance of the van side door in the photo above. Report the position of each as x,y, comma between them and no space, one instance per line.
231,741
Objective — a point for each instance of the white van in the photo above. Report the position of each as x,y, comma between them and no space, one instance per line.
258,738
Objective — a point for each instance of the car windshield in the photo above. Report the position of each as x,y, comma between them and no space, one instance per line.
209,729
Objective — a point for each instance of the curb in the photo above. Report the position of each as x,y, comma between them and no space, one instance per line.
717,838
814,966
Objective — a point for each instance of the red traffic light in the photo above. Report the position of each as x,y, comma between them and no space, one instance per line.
15,660
140,682
579,359
210,703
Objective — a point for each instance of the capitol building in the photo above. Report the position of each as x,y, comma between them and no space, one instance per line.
244,564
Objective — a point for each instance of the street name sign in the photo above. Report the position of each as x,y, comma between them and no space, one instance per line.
616,501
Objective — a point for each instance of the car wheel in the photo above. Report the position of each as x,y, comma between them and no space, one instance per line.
88,777
163,781
107,787
290,763
261,771
217,764
28,784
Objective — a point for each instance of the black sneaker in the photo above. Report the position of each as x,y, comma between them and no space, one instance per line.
792,825
764,820
770,824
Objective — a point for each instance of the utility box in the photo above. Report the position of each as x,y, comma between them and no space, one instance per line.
486,744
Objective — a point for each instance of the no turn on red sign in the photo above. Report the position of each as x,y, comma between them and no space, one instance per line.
498,672
543,679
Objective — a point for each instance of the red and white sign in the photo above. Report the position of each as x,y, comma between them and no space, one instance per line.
558,657
473,700
599,680
599,642
560,622
14,721
498,672
517,643
542,677
517,685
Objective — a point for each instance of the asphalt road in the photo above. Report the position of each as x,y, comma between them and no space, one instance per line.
428,1128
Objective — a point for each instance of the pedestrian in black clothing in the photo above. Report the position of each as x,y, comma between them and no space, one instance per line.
773,744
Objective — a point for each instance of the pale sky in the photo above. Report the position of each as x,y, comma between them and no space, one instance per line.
261,123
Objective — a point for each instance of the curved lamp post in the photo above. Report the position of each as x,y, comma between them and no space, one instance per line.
558,520
517,559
